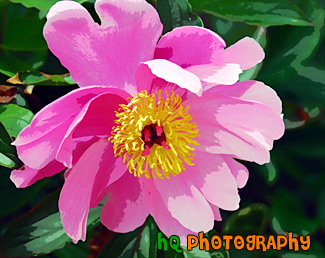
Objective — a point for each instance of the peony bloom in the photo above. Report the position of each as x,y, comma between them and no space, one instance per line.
155,125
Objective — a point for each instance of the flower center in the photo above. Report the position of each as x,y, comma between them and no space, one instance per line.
154,135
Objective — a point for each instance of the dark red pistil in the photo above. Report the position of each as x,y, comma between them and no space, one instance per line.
152,134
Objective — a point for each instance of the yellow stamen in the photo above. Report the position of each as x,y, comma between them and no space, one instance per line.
167,154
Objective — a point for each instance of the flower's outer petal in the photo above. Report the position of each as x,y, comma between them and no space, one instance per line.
56,113
178,195
216,212
38,143
212,176
255,91
125,208
238,170
216,74
95,119
170,72
79,185
115,168
243,129
182,45
162,216
40,152
106,54
245,52
28,176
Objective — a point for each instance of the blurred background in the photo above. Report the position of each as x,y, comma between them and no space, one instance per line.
285,195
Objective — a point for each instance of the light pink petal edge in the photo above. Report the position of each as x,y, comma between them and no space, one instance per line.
168,71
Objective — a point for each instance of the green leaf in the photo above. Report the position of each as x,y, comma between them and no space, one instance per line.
23,34
73,250
250,220
8,155
247,221
288,215
176,13
15,198
148,242
22,46
40,231
287,65
15,118
12,62
39,78
268,171
233,31
259,12
316,251
141,242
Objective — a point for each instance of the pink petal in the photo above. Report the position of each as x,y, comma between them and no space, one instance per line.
246,52
106,54
80,145
125,209
95,119
185,203
40,152
252,91
168,71
115,168
216,212
38,143
255,122
28,176
162,216
238,170
78,189
216,74
232,126
212,176
219,140
182,45
146,80
56,113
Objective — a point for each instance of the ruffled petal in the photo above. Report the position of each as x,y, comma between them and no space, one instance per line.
56,113
38,143
95,119
178,195
182,45
127,35
40,152
245,52
28,176
214,64
243,129
125,208
78,189
169,72
255,91
213,177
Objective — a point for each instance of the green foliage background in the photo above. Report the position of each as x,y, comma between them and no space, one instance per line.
285,195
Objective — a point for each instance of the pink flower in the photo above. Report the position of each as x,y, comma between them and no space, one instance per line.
160,136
